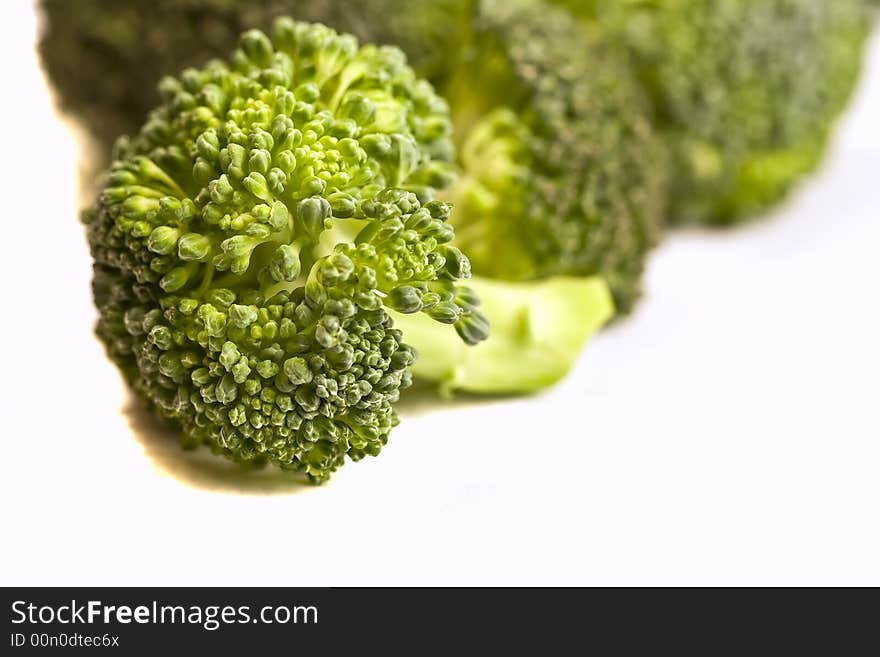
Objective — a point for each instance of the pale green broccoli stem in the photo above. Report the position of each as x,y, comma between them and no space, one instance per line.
538,330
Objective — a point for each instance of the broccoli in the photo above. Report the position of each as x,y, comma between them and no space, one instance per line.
252,238
561,171
745,90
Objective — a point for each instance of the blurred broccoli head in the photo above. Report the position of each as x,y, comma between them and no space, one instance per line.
251,238
562,173
746,90
105,57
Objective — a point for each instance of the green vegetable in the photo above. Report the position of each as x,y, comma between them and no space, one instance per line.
252,238
562,173
746,91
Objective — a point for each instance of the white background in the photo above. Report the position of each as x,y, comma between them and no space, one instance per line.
727,433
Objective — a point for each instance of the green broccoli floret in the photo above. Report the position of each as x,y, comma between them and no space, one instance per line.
562,173
745,90
562,176
252,238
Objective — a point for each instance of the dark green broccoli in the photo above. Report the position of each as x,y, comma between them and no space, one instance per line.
745,90
252,237
106,57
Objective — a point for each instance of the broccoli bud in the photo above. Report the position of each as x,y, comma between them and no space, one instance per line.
251,239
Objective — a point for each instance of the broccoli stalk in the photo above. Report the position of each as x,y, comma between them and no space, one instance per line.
252,239
538,331
560,195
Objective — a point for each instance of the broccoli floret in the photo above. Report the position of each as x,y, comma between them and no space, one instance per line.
562,173
252,238
745,90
